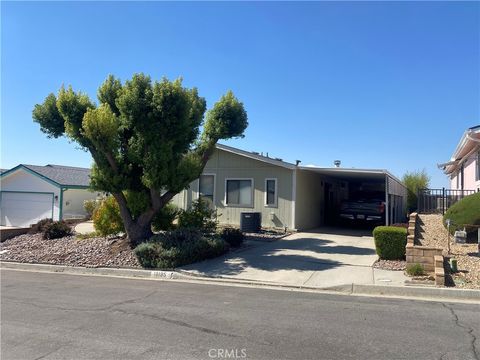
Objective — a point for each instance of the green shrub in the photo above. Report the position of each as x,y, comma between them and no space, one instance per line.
234,237
148,253
90,206
40,226
415,269
390,242
56,230
106,218
165,218
414,181
463,213
177,248
200,216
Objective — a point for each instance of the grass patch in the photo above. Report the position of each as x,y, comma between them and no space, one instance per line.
415,270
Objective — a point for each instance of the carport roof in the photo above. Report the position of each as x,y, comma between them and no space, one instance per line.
348,173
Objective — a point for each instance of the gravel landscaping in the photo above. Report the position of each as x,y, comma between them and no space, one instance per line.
433,233
90,252
71,251
395,265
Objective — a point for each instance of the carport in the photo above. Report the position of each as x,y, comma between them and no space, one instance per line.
320,191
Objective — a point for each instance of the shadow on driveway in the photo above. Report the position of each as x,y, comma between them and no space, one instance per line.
293,259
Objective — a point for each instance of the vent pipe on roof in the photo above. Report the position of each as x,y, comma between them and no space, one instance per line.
337,163
297,162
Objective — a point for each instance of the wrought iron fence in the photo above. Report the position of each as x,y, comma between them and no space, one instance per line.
439,200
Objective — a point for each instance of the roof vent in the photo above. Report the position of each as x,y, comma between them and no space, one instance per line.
297,162
337,163
278,159
255,152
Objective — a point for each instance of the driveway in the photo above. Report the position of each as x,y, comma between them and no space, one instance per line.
322,258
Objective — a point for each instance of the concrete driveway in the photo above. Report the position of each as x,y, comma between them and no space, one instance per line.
322,258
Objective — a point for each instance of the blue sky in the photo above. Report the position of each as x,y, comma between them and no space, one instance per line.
375,84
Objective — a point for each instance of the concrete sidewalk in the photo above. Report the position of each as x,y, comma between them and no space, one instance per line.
324,258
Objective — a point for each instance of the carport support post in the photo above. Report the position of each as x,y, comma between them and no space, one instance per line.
387,205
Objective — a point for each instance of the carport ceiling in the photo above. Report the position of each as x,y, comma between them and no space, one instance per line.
350,174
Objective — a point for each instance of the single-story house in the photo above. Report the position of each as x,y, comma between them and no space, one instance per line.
463,169
30,193
287,195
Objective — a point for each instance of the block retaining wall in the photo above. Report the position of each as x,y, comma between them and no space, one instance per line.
429,257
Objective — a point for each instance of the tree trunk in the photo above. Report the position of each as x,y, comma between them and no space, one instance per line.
138,232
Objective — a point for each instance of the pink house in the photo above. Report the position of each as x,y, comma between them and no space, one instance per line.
463,169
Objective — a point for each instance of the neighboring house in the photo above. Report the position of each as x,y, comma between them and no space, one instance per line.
463,169
30,193
287,195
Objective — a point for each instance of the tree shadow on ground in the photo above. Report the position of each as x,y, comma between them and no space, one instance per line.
295,254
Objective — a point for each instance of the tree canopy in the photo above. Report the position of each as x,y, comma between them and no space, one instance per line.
144,136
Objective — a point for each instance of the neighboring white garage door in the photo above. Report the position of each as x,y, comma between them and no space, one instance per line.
24,209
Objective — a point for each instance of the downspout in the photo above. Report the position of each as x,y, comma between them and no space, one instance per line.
60,213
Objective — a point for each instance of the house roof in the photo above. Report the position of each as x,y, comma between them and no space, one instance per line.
469,144
257,156
59,174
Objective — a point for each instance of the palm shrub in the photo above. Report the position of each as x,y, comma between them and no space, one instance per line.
390,242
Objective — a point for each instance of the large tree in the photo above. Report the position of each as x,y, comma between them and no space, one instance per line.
144,138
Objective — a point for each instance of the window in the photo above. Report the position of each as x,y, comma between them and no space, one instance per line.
239,192
271,192
206,189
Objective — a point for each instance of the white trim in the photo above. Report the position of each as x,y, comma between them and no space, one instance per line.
275,203
214,187
240,205
294,197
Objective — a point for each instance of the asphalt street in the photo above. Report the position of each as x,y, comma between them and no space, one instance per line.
59,316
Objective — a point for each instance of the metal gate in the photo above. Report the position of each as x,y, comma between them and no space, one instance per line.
439,200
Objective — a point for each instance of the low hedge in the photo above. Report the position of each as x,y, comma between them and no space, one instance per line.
390,242
178,247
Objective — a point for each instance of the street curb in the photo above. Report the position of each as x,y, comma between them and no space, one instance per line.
434,293
417,292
